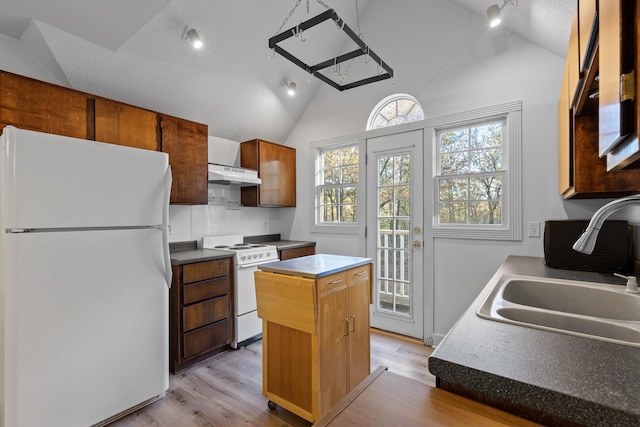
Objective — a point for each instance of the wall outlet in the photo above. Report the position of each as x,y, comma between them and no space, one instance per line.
265,226
534,229
170,229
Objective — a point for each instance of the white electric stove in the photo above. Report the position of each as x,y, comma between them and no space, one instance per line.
248,327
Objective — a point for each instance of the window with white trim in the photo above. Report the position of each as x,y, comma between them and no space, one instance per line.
477,174
337,178
470,174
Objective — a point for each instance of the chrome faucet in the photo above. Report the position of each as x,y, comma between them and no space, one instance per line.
587,240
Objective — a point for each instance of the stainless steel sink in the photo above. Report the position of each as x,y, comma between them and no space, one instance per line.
593,310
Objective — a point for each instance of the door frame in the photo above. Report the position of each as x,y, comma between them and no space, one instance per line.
428,237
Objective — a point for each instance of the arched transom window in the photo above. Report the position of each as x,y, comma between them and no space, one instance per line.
395,110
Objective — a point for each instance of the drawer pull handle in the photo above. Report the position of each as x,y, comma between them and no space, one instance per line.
335,282
351,316
362,273
346,327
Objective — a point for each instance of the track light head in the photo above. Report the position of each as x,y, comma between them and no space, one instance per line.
291,88
192,35
493,13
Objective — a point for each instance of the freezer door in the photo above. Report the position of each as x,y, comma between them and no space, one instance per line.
85,325
51,181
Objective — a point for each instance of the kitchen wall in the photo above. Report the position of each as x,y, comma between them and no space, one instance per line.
451,62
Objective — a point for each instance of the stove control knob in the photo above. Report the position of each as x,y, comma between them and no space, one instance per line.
260,255
242,257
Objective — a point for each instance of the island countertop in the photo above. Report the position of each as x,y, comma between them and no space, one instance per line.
585,381
315,266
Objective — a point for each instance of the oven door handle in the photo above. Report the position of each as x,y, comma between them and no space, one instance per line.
253,264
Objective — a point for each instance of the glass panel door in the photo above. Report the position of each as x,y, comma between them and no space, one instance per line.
394,206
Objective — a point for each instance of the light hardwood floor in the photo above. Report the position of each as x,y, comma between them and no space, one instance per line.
227,389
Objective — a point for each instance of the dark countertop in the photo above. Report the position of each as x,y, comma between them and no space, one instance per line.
314,266
587,381
275,240
188,253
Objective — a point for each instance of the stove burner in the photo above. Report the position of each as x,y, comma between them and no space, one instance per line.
221,247
239,247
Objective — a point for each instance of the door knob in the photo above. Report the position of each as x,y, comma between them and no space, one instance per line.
417,244
416,230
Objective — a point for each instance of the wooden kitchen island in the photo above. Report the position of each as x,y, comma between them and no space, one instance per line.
315,330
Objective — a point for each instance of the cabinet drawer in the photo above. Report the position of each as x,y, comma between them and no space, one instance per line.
332,283
203,313
204,290
207,338
359,274
205,270
297,252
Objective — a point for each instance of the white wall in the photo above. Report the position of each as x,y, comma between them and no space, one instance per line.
16,58
451,62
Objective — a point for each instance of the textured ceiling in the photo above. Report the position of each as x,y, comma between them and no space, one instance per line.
132,51
546,23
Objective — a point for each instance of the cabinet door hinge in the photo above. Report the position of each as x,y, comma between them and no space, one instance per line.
628,86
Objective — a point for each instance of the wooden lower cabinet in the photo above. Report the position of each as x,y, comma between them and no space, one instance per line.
316,346
200,312
285,254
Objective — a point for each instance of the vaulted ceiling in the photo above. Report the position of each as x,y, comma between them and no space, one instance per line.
133,51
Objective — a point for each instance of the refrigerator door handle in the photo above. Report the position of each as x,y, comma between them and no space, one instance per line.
168,274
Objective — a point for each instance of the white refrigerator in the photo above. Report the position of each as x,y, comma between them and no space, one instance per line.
84,277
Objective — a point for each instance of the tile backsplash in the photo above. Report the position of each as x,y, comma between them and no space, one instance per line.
195,222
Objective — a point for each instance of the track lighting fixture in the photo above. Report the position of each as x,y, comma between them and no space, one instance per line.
192,35
493,12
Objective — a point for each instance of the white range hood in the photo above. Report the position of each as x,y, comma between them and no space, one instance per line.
221,174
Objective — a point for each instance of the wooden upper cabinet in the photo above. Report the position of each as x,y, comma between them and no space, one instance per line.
573,62
565,117
186,143
617,61
583,172
123,124
587,30
276,166
34,105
